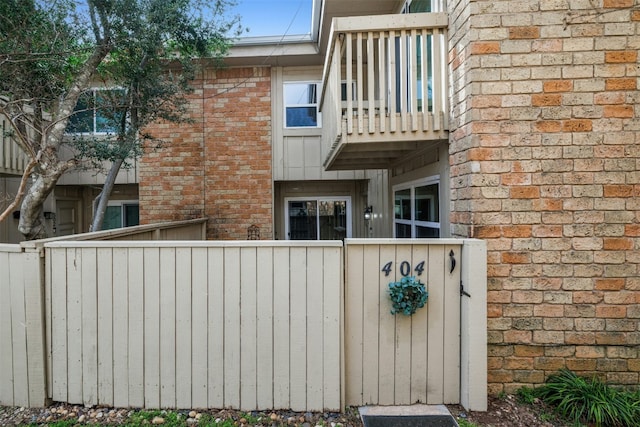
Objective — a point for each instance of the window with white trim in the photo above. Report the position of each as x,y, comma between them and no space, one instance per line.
121,214
301,105
97,112
417,209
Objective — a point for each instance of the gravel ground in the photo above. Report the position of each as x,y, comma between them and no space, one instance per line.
506,411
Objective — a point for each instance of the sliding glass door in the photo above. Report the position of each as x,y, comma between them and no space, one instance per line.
322,218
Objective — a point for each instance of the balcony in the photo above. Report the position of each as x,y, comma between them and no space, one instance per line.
376,108
12,159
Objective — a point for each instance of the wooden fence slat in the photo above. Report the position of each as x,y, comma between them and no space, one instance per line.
59,325
298,328
136,327
167,327
232,327
435,314
183,327
6,349
19,336
216,362
315,313
403,337
120,288
332,342
353,325
419,331
74,325
370,325
281,336
248,328
386,363
105,324
89,327
451,348
265,307
152,327
199,337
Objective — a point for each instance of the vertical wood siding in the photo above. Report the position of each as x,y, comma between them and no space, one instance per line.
22,380
399,360
247,325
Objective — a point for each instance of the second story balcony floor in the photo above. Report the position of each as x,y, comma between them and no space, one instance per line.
384,90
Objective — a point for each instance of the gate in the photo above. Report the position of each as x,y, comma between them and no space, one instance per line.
398,359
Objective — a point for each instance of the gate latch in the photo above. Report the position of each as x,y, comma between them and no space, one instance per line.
463,292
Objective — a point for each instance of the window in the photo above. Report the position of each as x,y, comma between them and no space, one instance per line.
322,218
121,214
417,209
97,112
301,105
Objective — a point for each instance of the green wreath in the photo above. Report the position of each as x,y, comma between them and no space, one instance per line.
407,295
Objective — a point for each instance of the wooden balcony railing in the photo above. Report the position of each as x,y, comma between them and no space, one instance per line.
384,92
12,159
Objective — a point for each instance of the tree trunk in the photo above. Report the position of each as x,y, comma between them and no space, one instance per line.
32,224
103,197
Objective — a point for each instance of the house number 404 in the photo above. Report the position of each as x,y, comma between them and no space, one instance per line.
405,268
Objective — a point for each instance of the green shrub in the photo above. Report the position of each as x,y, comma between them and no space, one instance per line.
590,400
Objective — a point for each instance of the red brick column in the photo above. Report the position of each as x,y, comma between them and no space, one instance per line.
219,165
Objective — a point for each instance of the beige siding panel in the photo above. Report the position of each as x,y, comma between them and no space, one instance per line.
232,327
151,327
265,347
167,328
199,332
248,329
105,324
281,331
89,327
136,327
183,327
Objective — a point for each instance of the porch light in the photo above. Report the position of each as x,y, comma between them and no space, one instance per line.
368,213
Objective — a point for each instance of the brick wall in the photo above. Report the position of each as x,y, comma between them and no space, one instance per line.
545,165
219,165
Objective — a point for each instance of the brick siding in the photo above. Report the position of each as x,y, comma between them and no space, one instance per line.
545,166
218,166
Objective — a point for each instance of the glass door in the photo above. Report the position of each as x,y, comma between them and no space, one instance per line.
320,218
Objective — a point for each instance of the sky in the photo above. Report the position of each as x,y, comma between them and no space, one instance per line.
275,17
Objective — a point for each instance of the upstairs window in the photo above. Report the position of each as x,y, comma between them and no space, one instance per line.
301,105
97,112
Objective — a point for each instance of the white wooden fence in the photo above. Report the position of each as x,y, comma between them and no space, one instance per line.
247,325
22,372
